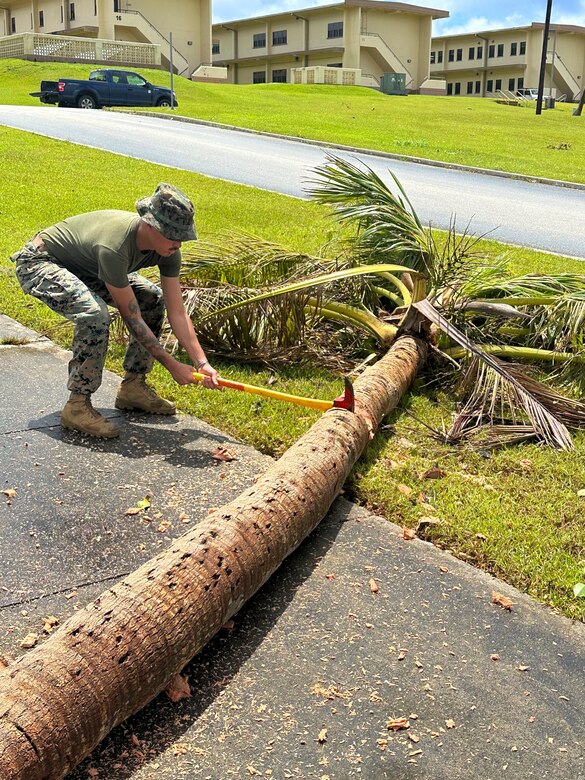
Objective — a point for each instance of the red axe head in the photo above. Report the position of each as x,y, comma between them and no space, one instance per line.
347,400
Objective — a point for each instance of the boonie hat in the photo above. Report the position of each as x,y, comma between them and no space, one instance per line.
169,211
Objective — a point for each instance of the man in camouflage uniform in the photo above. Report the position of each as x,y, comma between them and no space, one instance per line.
83,264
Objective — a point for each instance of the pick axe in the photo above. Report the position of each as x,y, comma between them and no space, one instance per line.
345,401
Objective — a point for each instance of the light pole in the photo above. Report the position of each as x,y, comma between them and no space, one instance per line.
543,57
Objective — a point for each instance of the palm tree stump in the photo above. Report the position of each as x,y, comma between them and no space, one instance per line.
110,659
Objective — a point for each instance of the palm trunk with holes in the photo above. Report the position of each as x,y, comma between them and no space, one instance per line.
110,659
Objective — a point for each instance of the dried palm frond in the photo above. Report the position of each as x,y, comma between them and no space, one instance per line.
293,328
245,260
498,393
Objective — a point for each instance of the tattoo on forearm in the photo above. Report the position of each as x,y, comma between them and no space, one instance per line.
146,337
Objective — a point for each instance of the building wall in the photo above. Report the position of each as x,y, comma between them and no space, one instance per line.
188,20
511,58
367,31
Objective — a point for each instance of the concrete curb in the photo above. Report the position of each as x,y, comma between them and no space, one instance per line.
371,152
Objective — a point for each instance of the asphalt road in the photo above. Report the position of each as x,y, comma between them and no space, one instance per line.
537,215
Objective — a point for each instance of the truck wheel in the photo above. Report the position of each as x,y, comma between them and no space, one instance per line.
86,101
164,103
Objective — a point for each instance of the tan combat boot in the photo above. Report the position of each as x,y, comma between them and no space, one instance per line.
134,393
79,415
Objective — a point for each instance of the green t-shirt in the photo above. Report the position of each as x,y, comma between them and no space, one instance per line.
102,244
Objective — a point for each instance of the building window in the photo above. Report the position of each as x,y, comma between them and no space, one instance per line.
433,58
451,55
459,55
259,40
335,64
61,9
498,84
259,77
215,47
440,56
279,76
457,88
470,87
71,12
478,87
521,82
511,84
13,24
491,50
41,18
522,47
472,52
279,38
95,7
449,89
513,49
335,30
479,52
500,49
490,85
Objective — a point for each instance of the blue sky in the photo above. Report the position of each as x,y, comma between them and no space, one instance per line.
465,15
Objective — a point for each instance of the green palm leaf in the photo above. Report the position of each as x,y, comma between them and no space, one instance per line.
387,224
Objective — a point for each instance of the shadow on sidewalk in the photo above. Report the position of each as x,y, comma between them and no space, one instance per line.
161,725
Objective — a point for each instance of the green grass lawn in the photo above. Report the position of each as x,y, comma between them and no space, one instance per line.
515,512
468,131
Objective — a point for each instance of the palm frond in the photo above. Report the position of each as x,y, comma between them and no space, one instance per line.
314,282
497,392
247,261
387,224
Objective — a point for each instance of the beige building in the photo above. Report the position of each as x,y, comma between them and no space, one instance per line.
366,38
140,21
481,64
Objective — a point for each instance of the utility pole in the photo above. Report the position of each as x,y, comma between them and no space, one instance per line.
543,57
171,69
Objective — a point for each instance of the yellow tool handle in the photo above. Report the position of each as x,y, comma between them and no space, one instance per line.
312,403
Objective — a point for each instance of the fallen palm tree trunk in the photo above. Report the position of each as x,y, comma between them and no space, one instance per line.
110,659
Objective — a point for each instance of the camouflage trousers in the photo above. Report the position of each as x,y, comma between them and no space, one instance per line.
85,302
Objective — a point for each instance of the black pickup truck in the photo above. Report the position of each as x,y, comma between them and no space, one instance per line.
105,87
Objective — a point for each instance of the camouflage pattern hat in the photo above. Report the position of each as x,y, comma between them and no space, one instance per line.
169,211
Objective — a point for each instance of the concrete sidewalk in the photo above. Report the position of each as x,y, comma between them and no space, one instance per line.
316,665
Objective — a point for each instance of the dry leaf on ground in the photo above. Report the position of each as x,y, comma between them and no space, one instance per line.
29,641
501,600
434,473
179,688
398,723
222,453
374,587
408,533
